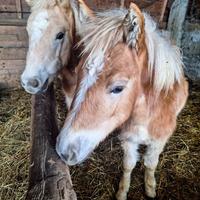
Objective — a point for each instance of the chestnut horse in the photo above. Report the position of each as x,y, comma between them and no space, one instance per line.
130,77
53,27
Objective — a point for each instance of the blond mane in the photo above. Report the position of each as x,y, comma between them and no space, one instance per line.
164,59
104,31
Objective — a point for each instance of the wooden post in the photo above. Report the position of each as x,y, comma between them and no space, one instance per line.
176,20
19,8
49,177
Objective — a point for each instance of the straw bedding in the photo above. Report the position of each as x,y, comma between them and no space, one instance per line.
178,173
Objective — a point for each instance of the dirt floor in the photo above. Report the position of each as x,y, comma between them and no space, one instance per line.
178,174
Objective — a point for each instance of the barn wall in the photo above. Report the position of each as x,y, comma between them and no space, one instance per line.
191,41
14,40
154,7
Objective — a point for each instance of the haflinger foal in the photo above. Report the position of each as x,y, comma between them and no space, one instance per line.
130,77
54,27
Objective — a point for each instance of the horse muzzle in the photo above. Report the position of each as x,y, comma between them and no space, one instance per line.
34,85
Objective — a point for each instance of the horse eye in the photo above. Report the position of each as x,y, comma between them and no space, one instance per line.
117,90
60,36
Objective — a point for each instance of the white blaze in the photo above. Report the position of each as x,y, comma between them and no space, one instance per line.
38,26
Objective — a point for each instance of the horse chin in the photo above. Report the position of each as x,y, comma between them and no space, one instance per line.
30,91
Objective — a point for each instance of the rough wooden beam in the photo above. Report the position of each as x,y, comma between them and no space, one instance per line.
176,20
49,177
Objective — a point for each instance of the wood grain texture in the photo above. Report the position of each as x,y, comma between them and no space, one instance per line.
49,177
12,65
13,48
13,53
19,8
10,71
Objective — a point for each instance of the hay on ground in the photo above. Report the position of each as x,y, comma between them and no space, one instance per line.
178,174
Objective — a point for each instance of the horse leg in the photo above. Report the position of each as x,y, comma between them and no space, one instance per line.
151,159
129,162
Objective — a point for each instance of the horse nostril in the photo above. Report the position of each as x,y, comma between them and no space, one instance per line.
64,157
33,83
70,158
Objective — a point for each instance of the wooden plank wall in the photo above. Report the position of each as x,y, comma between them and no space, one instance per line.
14,40
13,9
154,7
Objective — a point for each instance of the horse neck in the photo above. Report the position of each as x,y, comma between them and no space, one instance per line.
146,81
144,85
142,61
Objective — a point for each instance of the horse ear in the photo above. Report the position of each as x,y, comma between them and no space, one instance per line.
82,14
83,10
65,3
29,2
134,26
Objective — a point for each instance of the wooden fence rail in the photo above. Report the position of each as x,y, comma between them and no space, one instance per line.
49,177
